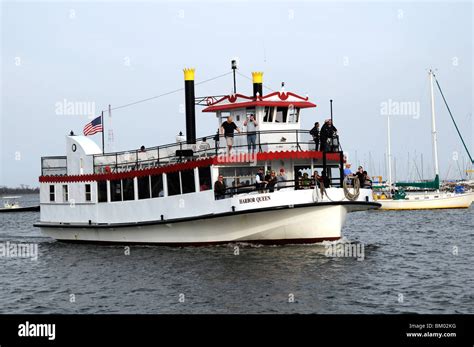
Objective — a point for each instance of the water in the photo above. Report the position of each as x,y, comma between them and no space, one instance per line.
410,266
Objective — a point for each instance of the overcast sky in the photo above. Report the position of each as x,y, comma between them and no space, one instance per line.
364,55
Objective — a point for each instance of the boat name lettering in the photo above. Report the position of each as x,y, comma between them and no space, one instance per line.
257,199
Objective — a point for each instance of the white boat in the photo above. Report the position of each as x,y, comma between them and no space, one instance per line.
164,195
11,204
428,200
422,200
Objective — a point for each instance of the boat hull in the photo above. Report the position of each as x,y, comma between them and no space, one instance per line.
428,202
20,209
298,224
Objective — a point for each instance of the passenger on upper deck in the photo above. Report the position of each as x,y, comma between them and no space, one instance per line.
328,131
227,129
315,133
251,124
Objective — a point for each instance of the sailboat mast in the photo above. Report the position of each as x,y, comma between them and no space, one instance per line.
389,154
434,135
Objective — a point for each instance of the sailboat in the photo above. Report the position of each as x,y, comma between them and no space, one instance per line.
427,194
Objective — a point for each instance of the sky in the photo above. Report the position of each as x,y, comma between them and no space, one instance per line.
366,56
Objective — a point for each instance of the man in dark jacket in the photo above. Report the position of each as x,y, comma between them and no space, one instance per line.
219,188
315,133
327,133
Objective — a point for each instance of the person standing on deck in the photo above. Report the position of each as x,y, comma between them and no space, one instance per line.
251,124
327,133
315,133
281,179
227,129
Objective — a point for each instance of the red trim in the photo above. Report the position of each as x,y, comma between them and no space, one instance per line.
298,104
258,101
219,160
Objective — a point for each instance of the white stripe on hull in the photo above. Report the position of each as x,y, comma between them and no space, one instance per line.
443,202
313,222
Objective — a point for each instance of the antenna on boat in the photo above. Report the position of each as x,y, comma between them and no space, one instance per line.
330,104
103,129
234,67
434,134
389,154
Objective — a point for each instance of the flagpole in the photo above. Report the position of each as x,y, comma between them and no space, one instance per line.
103,130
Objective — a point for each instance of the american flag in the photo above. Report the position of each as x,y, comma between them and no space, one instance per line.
93,127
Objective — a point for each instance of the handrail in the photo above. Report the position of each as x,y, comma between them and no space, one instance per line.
295,142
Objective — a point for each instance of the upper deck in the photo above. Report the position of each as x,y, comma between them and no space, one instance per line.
180,151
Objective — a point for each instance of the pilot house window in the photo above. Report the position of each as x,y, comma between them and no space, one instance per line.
268,114
281,114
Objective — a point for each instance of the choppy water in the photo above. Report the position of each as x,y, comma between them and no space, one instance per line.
410,266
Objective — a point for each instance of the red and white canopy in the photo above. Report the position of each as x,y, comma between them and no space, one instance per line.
235,101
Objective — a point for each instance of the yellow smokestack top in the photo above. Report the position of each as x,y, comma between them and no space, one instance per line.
257,77
189,74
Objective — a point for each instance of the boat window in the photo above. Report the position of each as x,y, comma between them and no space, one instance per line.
204,178
172,179
293,114
157,186
116,190
187,180
281,114
51,193
268,114
128,189
239,176
88,192
102,191
143,187
65,193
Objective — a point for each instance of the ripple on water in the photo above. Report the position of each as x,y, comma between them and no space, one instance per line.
407,255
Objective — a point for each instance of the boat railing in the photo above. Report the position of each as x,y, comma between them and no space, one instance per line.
208,146
280,185
54,166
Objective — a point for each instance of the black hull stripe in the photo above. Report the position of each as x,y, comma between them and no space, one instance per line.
208,216
208,243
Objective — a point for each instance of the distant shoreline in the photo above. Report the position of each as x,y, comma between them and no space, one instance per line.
18,190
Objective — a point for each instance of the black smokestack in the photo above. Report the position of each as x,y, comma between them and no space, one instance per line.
257,83
190,106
